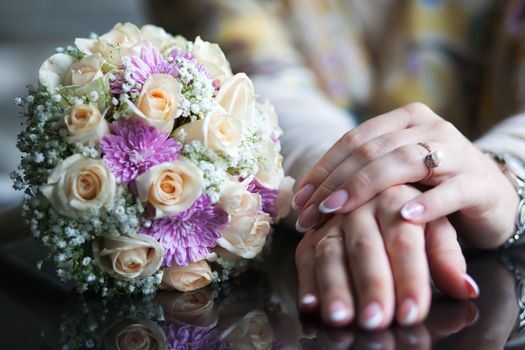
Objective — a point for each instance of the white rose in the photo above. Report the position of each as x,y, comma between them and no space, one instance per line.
211,56
62,69
218,132
157,36
283,202
87,70
172,187
159,102
237,97
253,331
194,276
85,123
54,70
78,185
113,45
128,257
236,200
271,172
246,231
245,236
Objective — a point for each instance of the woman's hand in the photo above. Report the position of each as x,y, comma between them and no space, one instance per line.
377,260
384,151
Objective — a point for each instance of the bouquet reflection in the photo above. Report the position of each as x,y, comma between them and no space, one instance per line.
231,316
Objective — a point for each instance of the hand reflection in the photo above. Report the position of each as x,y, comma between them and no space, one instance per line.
485,324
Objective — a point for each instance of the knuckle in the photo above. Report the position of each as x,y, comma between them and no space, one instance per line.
318,173
360,181
352,139
417,108
370,151
328,250
408,155
360,244
400,243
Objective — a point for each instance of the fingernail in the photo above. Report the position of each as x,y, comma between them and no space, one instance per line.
412,210
372,316
302,196
472,286
308,299
339,312
473,314
308,219
334,201
408,313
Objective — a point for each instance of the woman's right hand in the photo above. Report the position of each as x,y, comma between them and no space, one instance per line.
373,258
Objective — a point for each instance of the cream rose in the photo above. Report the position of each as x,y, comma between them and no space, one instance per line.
271,172
78,185
114,44
194,307
237,97
172,187
128,257
246,232
157,36
187,278
62,69
218,132
136,334
158,103
283,202
85,123
211,56
245,236
253,331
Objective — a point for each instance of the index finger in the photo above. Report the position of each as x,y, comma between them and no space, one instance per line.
401,118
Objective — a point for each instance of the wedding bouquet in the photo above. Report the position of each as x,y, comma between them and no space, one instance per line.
148,164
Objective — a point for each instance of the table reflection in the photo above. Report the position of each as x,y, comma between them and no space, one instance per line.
258,311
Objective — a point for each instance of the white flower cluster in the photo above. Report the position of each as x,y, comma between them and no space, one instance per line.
213,167
197,90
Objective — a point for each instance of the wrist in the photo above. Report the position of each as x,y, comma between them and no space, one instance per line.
512,169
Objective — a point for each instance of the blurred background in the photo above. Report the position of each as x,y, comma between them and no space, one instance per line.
30,30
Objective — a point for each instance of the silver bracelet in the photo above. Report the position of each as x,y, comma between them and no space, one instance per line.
519,184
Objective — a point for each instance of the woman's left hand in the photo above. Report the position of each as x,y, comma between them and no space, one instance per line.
387,151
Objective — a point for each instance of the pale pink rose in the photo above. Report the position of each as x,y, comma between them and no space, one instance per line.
128,257
85,123
194,276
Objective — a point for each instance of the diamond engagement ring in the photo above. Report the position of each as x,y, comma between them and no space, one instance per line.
432,160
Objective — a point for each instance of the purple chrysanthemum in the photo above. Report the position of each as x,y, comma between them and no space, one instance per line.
188,237
134,147
268,196
190,337
142,67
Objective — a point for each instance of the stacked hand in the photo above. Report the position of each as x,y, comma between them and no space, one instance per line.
372,240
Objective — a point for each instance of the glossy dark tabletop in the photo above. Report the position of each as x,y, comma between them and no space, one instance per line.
254,311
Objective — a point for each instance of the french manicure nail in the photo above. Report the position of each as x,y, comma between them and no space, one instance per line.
473,314
334,201
372,316
308,219
412,211
308,299
408,312
339,312
472,286
302,196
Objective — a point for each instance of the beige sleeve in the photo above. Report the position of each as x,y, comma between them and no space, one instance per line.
508,137
311,123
